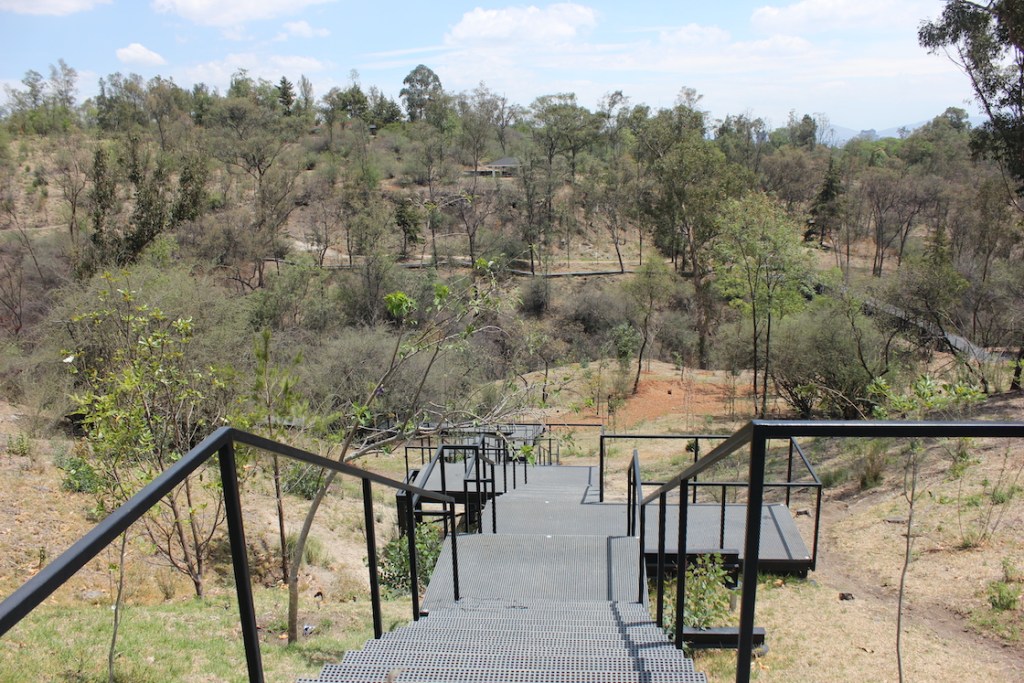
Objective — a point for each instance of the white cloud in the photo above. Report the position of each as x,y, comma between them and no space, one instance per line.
295,64
136,53
692,34
229,13
218,73
51,7
302,29
824,15
558,22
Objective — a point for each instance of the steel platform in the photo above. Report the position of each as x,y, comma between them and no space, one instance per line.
563,500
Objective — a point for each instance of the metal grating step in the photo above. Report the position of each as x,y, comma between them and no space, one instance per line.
526,638
576,646
551,600
538,568
334,673
516,661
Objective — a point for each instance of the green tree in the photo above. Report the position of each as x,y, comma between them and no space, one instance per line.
647,289
274,403
762,271
286,95
827,210
986,39
451,316
421,88
145,404
689,180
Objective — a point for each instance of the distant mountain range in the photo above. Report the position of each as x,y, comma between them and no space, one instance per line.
841,135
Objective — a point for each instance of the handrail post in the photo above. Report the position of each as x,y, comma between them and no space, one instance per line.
629,500
600,467
414,577
696,457
479,496
817,521
789,471
751,554
494,501
721,521
641,588
455,555
504,467
371,558
681,563
662,499
240,562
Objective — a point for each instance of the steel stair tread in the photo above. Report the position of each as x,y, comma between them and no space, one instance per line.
336,673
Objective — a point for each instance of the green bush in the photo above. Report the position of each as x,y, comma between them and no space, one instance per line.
1003,596
19,446
79,475
830,478
393,565
707,597
302,480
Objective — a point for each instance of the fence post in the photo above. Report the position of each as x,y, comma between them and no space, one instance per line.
240,562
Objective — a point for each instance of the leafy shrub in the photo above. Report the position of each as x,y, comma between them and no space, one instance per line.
830,478
1011,572
19,446
302,480
825,358
79,474
393,565
707,598
1003,596
536,296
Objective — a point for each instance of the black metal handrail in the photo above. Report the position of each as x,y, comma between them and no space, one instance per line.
756,434
473,465
222,444
602,451
636,524
788,486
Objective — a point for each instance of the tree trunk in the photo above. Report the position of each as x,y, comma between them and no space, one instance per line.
767,360
118,606
279,499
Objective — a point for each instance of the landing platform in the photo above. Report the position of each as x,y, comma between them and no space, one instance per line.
519,567
563,500
782,548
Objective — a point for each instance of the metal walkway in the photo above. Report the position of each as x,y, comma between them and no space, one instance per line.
550,598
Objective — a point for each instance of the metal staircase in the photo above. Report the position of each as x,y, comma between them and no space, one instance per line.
550,597
518,642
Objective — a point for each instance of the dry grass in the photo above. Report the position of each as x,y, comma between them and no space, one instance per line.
952,633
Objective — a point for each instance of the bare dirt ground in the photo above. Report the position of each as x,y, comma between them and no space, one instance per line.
813,635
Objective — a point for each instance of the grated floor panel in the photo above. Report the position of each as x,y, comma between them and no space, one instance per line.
550,598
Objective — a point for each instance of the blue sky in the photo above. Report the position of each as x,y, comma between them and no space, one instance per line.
855,61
